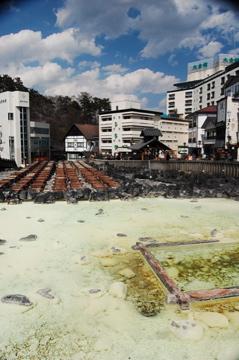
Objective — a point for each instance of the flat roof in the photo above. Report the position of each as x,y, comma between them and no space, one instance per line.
132,109
209,78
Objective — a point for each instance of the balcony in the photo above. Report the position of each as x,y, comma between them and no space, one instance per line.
105,135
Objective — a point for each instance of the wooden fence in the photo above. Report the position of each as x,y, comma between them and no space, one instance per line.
227,168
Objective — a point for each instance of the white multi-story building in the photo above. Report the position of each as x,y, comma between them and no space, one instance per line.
15,127
119,129
204,85
228,112
196,130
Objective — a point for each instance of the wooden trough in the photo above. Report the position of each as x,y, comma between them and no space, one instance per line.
174,294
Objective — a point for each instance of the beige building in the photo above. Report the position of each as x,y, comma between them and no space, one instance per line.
120,129
174,132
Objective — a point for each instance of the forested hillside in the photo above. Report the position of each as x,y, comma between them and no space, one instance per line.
59,111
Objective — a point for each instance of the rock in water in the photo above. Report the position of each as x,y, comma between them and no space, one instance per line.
214,232
145,238
212,319
94,291
31,237
127,273
186,329
2,241
40,220
118,290
45,293
99,212
16,299
121,235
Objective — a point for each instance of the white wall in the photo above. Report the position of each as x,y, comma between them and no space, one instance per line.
76,144
232,112
125,104
174,133
10,102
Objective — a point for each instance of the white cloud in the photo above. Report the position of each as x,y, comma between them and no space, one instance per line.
108,17
163,25
211,49
27,45
88,64
114,69
52,79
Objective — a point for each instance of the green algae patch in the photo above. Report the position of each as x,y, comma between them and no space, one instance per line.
143,289
202,267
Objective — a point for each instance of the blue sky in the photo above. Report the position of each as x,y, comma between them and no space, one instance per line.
113,48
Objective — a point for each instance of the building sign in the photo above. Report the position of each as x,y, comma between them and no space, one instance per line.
230,60
200,66
183,149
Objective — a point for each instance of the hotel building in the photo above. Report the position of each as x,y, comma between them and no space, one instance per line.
204,85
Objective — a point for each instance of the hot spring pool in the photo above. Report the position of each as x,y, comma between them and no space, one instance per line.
80,251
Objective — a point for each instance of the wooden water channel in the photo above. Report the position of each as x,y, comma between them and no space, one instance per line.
65,175
174,294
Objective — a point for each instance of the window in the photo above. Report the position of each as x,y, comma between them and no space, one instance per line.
70,144
11,148
188,94
208,104
171,96
222,91
212,103
222,80
171,104
208,96
208,86
200,90
36,130
213,84
24,133
200,99
212,94
80,144
108,118
10,116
